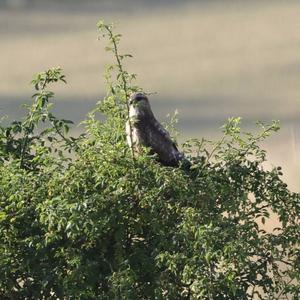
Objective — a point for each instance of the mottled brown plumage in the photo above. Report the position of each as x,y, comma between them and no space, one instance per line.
148,132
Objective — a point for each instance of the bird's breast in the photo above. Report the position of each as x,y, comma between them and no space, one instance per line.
132,134
133,112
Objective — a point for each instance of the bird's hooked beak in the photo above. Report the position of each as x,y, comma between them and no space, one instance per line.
136,97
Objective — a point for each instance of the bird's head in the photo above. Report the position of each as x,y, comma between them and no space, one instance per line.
138,98
139,105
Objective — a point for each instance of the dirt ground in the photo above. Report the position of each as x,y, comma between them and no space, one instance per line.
209,59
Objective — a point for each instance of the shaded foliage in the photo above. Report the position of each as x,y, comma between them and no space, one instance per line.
86,218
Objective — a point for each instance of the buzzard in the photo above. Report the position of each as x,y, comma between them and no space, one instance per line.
147,131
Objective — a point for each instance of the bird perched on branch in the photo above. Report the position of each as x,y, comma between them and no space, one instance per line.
144,130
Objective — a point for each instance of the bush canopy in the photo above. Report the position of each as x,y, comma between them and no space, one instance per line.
87,218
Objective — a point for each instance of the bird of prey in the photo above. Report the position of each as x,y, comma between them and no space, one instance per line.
148,132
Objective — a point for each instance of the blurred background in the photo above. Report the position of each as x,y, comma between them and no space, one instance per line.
209,59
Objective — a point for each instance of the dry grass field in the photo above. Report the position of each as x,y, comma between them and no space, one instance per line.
209,59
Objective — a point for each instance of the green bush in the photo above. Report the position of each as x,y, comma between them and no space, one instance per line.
87,218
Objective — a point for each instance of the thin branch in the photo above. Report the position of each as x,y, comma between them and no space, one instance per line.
26,138
124,83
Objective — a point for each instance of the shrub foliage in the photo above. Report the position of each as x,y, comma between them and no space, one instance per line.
87,218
